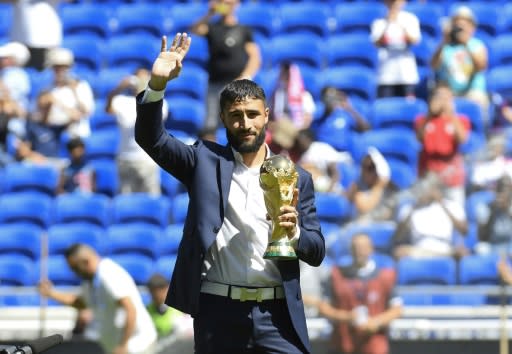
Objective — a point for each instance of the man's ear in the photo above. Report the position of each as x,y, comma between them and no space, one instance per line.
267,112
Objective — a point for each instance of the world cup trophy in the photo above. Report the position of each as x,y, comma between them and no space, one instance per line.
278,179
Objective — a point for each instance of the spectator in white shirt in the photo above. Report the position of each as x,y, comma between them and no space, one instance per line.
72,98
13,56
138,173
36,24
426,228
393,35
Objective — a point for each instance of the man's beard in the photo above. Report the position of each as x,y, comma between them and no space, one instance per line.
246,147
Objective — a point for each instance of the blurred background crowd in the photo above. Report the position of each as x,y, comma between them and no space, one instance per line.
400,110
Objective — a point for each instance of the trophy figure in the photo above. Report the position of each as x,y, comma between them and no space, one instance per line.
278,179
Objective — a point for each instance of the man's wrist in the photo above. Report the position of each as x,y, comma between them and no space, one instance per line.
157,84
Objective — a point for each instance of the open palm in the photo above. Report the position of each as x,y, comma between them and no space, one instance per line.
168,64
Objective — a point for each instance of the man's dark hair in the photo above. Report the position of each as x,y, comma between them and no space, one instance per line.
73,250
157,281
240,90
74,143
308,133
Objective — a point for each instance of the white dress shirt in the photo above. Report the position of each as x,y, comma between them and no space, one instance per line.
236,256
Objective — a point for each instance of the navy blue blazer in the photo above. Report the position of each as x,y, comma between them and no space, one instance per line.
206,169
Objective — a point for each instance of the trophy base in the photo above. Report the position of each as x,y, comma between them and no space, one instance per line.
280,250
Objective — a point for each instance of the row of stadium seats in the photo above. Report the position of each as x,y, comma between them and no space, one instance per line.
94,209
267,19
16,270
136,238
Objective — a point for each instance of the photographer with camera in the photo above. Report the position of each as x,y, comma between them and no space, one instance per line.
461,59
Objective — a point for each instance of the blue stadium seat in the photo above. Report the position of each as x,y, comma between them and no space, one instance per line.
397,112
141,208
290,48
337,242
102,146
165,266
142,18
62,236
332,208
186,114
506,19
179,208
21,177
423,51
107,177
138,239
486,13
351,49
259,16
169,185
475,199
473,112
355,81
357,17
85,18
131,51
426,271
501,50
87,50
17,270
106,80
429,16
198,54
28,208
304,17
392,143
23,240
169,243
39,81
380,233
139,267
402,175
6,15
192,83
498,80
100,119
349,173
59,272
336,131
479,270
82,208
184,15
383,260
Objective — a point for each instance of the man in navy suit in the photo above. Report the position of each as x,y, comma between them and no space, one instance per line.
241,302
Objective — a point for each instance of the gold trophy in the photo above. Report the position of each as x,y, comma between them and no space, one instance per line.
278,179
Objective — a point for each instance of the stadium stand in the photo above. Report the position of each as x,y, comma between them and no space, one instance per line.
111,38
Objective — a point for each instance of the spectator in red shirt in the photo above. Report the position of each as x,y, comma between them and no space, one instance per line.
362,302
441,131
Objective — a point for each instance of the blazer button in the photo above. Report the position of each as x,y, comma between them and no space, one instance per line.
216,229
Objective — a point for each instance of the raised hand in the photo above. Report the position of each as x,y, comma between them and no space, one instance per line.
167,65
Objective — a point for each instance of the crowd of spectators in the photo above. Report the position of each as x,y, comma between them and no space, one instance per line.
458,200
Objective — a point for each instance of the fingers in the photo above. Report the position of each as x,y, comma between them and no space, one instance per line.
289,219
175,42
295,199
180,44
163,46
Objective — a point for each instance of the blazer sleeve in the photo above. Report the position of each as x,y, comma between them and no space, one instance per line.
168,152
311,245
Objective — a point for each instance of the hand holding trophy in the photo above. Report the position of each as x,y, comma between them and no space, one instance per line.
278,179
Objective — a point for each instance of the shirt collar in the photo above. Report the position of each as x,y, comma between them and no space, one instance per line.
239,161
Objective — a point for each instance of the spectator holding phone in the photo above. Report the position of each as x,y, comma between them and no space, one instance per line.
441,131
233,52
461,59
